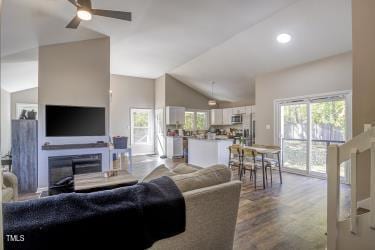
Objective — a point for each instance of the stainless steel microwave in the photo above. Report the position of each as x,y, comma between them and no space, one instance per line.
237,119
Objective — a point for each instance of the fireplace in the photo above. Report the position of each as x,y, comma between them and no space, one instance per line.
62,168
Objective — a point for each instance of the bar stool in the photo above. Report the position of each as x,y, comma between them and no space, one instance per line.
235,157
271,162
249,162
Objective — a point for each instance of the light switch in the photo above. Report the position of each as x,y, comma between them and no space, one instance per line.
268,127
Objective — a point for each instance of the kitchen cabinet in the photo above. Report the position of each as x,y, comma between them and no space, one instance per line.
205,153
174,115
238,110
174,147
227,116
216,117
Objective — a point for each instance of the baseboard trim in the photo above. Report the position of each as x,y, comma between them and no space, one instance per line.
364,203
42,189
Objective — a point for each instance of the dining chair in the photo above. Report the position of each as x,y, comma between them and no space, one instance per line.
271,162
249,162
235,157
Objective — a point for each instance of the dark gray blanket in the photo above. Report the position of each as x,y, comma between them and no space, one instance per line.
123,218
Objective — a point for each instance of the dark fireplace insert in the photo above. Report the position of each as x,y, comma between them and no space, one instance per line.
62,168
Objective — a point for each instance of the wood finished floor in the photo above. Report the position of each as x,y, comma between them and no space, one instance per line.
288,216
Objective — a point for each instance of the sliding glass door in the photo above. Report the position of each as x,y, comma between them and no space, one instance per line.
328,126
306,128
294,135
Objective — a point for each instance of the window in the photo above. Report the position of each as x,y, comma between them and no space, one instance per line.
201,123
196,120
189,121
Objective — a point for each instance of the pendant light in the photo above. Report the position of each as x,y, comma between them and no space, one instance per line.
212,102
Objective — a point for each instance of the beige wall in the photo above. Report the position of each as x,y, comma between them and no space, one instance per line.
5,122
179,94
160,92
29,96
363,81
76,74
222,105
323,76
128,92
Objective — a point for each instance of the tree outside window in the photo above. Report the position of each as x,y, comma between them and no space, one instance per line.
196,120
201,121
189,121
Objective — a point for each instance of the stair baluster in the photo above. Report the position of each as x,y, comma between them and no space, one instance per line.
353,180
372,185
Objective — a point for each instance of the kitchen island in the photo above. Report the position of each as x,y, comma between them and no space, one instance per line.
205,153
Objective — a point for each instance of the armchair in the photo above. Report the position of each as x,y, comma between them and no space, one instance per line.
10,187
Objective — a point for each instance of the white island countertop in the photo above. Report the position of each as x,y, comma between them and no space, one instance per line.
205,153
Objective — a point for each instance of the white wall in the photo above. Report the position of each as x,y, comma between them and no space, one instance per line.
6,135
128,92
29,96
76,74
323,76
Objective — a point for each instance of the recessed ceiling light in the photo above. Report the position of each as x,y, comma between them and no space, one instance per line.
284,38
84,14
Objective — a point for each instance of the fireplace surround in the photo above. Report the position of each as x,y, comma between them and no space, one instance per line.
62,168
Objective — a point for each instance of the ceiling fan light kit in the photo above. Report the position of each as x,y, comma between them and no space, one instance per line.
212,102
85,13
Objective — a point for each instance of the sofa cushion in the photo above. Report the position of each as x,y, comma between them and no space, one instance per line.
184,168
159,171
205,177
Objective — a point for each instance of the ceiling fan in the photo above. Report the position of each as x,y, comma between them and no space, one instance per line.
85,12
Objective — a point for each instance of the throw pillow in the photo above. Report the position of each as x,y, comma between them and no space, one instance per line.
184,168
159,171
205,177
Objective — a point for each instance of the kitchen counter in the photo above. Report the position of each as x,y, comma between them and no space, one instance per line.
205,139
205,153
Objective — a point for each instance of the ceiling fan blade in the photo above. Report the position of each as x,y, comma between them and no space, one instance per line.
84,3
113,14
74,23
73,2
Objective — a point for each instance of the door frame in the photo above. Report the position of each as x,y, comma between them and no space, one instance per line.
346,94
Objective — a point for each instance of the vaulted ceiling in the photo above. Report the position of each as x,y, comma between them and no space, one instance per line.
196,41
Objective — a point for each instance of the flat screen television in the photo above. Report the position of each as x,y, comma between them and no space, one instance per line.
66,121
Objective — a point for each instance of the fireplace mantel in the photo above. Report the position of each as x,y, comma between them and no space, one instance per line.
74,146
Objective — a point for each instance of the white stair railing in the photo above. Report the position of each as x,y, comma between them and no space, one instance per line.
1,210
372,185
337,155
353,180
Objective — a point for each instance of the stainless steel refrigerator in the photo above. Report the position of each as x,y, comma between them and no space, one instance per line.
248,128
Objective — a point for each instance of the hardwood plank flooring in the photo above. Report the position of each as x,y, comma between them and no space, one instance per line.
287,216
